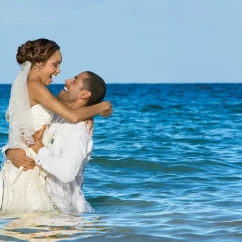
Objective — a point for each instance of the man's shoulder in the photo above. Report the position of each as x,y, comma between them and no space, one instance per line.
66,125
78,127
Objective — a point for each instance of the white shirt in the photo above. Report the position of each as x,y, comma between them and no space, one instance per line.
65,156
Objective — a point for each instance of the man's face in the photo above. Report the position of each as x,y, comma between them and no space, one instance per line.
73,88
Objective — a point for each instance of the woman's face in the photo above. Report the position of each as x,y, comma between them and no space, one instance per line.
51,68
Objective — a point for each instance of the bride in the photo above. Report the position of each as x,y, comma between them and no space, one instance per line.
31,106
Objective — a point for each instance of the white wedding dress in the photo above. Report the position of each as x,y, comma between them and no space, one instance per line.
25,191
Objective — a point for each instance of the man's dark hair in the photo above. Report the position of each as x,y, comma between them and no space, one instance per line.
96,85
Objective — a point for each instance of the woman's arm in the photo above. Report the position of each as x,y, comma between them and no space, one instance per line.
42,95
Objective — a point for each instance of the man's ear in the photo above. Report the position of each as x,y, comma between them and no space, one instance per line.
85,94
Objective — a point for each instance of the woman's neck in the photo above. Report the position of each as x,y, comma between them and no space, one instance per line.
33,76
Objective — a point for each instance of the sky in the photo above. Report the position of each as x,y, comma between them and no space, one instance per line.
129,41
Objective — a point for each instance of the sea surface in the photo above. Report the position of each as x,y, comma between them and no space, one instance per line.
166,166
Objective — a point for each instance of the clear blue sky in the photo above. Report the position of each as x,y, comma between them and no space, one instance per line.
130,41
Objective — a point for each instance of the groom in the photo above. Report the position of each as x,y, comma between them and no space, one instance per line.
69,147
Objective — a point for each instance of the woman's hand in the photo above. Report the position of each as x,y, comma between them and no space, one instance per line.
109,109
89,124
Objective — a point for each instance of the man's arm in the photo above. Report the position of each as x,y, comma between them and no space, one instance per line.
75,151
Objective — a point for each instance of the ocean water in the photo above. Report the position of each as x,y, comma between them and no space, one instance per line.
166,166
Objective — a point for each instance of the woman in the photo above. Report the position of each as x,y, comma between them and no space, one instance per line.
31,106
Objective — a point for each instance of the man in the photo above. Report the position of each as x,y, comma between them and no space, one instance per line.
69,145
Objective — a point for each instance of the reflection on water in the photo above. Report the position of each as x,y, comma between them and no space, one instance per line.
49,227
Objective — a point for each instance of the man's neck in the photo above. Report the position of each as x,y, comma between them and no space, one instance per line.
75,105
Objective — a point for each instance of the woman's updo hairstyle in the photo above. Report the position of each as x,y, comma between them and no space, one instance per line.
39,50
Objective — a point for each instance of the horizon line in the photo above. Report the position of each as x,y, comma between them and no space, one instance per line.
147,83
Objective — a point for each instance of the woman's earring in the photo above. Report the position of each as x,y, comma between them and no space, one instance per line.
37,68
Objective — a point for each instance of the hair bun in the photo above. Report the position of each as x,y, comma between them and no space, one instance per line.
25,53
38,50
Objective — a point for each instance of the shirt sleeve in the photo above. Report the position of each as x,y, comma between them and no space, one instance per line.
4,149
75,151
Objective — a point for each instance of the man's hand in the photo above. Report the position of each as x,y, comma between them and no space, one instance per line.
38,139
18,158
39,134
108,110
89,123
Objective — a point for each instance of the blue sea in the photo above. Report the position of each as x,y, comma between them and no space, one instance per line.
166,166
